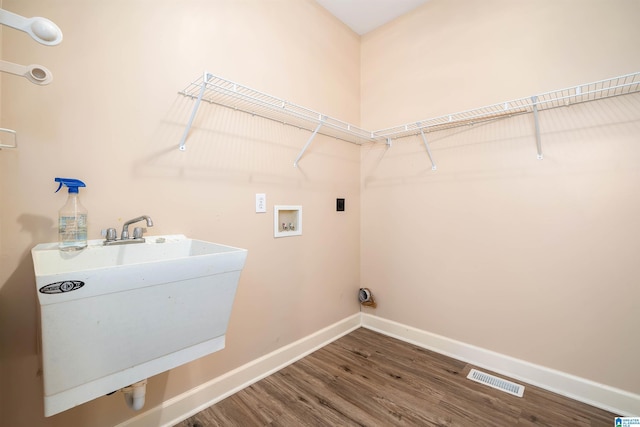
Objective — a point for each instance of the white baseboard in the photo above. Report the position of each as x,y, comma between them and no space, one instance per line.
602,396
195,400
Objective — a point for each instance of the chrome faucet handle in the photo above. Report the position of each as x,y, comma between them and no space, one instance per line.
137,232
111,234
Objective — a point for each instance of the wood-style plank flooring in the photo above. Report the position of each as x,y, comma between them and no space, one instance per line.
368,379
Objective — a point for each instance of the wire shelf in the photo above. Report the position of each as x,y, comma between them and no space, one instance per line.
232,95
219,91
622,85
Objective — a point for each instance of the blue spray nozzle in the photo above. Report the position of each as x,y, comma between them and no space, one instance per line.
71,183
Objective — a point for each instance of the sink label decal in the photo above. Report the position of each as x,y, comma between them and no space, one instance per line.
60,287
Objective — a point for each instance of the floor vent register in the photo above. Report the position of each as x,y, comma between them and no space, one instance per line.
495,382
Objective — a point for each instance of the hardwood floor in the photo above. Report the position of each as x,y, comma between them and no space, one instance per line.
368,379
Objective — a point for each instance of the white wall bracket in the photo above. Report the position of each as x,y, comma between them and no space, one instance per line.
183,140
8,134
534,103
313,135
36,74
426,145
40,29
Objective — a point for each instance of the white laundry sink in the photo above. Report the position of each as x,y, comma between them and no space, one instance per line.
114,315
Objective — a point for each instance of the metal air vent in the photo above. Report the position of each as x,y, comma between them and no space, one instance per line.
495,382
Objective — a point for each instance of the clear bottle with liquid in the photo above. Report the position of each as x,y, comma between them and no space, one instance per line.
72,218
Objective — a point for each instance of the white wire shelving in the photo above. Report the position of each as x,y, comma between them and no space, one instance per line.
216,90
219,91
621,85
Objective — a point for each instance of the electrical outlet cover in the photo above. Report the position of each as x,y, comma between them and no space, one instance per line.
261,203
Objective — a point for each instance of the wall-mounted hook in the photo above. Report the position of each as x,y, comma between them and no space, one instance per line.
36,74
40,29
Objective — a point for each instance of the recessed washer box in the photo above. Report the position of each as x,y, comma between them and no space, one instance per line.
287,220
115,315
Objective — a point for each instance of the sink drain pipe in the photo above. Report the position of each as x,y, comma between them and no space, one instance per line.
134,394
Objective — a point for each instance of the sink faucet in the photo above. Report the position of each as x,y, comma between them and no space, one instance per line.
137,230
112,236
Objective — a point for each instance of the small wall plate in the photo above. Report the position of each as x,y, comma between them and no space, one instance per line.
287,220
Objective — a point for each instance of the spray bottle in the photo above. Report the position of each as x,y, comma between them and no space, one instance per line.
72,218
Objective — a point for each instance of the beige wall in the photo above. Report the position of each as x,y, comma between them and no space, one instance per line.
533,259
112,117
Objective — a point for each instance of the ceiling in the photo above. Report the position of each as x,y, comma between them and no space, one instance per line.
363,16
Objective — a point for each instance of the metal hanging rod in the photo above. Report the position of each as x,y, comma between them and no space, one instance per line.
219,91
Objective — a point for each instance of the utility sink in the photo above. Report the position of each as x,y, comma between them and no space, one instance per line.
114,315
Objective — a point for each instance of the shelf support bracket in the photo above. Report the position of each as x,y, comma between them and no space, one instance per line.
534,100
183,140
12,135
313,135
426,145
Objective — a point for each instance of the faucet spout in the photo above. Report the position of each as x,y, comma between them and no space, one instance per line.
125,227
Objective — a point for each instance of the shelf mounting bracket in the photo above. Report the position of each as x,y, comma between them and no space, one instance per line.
183,140
313,135
534,100
426,145
11,135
